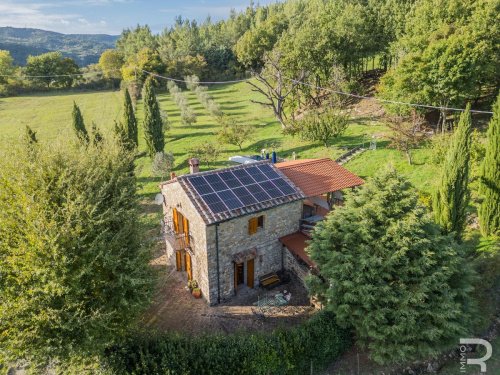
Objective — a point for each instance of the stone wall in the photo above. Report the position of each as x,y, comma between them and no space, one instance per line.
175,197
233,238
294,265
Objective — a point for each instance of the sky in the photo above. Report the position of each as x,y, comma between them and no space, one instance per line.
111,16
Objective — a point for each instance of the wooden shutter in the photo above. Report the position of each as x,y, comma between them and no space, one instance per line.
185,226
175,217
189,268
252,225
250,273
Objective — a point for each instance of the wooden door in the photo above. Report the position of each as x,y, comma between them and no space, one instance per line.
250,273
178,260
189,268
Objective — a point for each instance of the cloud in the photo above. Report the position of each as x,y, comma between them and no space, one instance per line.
38,16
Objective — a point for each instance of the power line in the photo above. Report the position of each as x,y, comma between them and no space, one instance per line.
56,75
200,82
385,100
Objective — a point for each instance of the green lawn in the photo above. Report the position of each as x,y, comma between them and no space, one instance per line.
50,115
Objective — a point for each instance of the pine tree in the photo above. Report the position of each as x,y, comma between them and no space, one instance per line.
129,121
451,198
153,123
388,271
79,125
30,136
489,211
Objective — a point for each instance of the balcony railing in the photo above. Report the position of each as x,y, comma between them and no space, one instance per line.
178,241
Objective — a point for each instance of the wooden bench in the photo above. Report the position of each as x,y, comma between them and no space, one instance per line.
269,280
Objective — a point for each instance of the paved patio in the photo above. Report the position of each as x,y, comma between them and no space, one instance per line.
174,309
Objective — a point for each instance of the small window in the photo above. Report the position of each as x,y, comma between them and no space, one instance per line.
255,223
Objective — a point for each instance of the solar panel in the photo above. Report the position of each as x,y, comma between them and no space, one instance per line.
234,189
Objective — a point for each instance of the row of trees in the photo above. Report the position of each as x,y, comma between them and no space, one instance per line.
193,84
188,117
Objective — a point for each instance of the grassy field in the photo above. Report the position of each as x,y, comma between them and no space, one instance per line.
50,115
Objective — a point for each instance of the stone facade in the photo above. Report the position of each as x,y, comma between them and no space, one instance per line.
294,265
232,238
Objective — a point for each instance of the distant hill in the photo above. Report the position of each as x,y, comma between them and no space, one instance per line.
85,49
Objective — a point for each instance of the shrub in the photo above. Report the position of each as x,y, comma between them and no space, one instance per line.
315,343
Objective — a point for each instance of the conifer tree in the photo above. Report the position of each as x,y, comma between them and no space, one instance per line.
30,135
74,272
96,135
79,125
388,271
451,197
489,211
121,134
153,122
129,121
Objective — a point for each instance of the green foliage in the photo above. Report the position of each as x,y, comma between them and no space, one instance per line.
323,127
153,122
110,63
451,197
129,121
207,152
489,210
30,136
450,54
74,275
390,273
6,66
314,344
163,163
146,59
96,135
52,69
79,125
233,133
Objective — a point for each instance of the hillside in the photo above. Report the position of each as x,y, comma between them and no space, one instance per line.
85,49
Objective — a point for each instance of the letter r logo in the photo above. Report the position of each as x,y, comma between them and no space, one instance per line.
479,361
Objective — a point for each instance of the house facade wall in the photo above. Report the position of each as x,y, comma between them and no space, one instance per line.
294,265
233,238
175,197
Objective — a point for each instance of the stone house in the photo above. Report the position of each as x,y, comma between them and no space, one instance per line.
227,228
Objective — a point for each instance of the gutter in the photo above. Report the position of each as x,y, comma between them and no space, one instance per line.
217,256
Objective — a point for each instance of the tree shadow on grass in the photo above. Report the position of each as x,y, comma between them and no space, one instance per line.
264,143
178,137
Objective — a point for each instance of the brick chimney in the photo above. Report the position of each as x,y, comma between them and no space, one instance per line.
194,165
172,175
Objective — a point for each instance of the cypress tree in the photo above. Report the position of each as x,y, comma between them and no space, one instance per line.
153,123
121,134
451,198
129,121
489,211
79,125
30,136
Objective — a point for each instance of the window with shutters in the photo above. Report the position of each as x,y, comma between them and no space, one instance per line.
255,223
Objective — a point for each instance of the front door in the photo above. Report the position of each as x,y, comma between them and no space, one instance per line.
250,272
239,274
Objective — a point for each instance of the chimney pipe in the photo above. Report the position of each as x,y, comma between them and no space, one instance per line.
194,165
274,157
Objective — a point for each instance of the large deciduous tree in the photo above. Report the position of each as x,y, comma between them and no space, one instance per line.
73,273
153,122
452,195
388,272
110,63
6,66
489,211
52,68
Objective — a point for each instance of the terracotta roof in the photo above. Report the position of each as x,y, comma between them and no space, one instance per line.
318,176
296,243
211,218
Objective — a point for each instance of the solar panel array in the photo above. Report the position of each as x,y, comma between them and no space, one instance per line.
232,189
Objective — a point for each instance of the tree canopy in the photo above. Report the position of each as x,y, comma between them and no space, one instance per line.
52,69
74,274
388,272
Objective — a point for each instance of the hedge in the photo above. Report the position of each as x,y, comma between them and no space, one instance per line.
315,343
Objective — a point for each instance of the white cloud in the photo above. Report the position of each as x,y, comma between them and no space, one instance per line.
38,16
